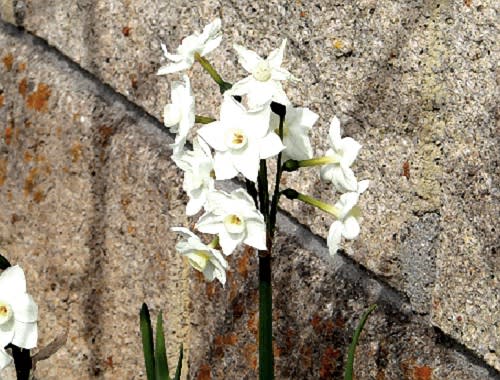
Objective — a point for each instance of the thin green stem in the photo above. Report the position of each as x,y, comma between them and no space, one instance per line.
266,357
223,86
292,165
203,119
22,362
293,194
263,190
277,193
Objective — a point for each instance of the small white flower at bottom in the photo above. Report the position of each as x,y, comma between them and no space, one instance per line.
18,313
201,257
347,225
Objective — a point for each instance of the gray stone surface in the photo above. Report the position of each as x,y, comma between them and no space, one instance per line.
415,82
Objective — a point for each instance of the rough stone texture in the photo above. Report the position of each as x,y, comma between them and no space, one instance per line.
88,195
415,82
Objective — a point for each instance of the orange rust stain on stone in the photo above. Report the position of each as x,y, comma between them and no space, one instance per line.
3,170
249,351
316,323
244,261
28,157
422,373
8,135
131,230
40,158
38,99
23,87
29,182
328,361
76,152
204,373
106,132
8,60
38,196
252,324
1,100
21,67
209,289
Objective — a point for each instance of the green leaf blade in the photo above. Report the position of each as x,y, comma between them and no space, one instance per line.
147,342
349,370
161,364
179,365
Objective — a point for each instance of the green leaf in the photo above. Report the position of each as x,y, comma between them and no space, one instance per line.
179,366
147,342
161,365
4,263
352,348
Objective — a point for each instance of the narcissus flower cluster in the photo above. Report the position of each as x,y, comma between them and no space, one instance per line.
247,132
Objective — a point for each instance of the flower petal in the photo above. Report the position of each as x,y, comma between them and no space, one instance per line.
256,234
334,237
270,146
12,278
26,334
24,307
5,358
247,58
7,332
351,228
275,58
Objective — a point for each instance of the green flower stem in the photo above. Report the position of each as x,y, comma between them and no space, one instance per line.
292,194
293,165
279,172
224,86
266,358
203,119
263,190
22,362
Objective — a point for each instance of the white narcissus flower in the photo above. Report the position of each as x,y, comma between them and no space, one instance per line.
241,139
202,44
201,257
18,313
264,83
343,151
235,219
298,122
198,167
349,215
179,115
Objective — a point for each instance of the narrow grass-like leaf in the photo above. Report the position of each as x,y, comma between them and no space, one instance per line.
4,263
147,342
179,365
161,365
349,369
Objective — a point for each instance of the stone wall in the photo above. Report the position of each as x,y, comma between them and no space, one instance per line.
89,192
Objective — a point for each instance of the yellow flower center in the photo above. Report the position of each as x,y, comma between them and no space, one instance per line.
235,139
5,312
234,224
262,71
